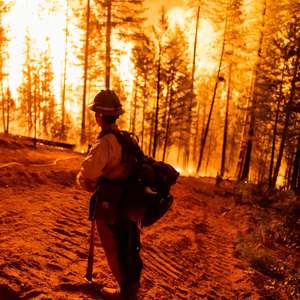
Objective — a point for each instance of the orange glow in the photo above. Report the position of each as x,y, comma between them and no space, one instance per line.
125,67
177,16
32,17
206,37
29,16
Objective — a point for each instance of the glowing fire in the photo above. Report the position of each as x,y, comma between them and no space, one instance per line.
177,16
40,24
32,17
125,68
28,16
206,36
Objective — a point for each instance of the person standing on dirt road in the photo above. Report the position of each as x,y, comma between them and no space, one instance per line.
103,169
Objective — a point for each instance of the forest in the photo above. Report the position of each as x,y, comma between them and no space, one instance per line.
213,87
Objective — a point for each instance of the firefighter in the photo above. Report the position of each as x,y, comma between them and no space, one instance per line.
105,170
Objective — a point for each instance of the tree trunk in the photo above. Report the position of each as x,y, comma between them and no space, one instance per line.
169,108
243,144
286,122
151,134
8,110
295,180
223,161
35,109
288,171
83,134
2,91
198,128
144,109
155,133
178,153
29,92
63,96
1,79
3,105
233,144
108,46
247,158
192,85
208,156
262,169
196,134
275,133
134,106
203,141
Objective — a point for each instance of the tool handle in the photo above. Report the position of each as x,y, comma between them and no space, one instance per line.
89,269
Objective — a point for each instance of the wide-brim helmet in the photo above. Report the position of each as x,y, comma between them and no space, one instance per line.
107,103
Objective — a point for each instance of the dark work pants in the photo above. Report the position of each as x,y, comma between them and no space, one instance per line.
121,243
127,236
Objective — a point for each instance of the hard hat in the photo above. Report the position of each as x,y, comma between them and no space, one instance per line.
107,103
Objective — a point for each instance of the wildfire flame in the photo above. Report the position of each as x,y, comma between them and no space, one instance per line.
28,17
31,17
183,18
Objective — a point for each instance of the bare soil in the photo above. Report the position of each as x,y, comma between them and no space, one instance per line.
44,236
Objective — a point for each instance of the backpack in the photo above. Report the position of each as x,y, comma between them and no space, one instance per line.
148,188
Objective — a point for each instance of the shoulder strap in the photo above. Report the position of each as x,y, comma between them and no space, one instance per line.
128,141
107,131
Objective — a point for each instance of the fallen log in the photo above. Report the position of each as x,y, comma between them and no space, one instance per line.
36,141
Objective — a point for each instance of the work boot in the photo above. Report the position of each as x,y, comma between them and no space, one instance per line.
111,294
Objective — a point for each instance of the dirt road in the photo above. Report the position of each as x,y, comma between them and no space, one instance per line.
189,254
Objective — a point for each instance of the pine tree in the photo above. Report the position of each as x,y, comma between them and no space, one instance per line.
276,95
293,80
47,99
107,20
143,58
63,92
86,63
5,101
177,82
193,80
218,78
160,34
26,88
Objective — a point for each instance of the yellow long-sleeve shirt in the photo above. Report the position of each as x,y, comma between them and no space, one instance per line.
103,159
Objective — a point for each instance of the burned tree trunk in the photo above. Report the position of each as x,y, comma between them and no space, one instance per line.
224,146
274,134
151,133
244,172
192,84
295,180
83,135
144,110
169,110
203,140
63,96
133,121
108,47
155,133
9,100
35,92
287,120
3,99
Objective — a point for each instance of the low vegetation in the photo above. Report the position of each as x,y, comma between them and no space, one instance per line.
271,241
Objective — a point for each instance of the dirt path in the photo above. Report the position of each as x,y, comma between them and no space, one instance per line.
44,241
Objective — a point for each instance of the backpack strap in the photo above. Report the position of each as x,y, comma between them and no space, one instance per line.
128,141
